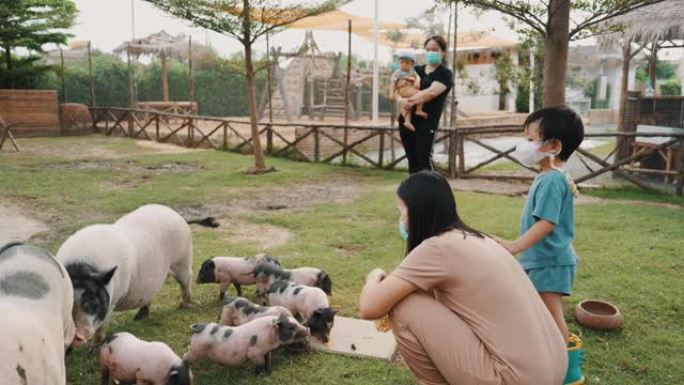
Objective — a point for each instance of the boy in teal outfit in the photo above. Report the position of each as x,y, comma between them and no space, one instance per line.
547,224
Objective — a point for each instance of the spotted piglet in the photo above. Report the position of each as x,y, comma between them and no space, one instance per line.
36,324
253,341
238,311
126,358
267,273
232,270
310,303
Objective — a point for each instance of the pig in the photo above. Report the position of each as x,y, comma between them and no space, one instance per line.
128,359
238,311
232,270
310,303
36,325
267,273
253,341
122,266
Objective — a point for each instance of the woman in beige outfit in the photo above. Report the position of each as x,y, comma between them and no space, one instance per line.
460,306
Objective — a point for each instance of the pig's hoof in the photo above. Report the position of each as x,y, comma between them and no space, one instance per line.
144,312
184,305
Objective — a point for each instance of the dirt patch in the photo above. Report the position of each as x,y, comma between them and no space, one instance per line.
164,148
15,225
262,236
125,166
490,186
280,199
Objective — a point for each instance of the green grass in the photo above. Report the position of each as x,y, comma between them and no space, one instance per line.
631,254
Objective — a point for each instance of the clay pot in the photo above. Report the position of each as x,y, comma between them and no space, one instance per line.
598,314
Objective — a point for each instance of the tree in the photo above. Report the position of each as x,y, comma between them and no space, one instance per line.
551,20
246,21
30,24
506,75
429,22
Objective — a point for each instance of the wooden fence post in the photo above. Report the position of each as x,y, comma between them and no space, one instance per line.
461,154
131,125
317,145
156,127
381,154
225,136
453,148
191,133
680,166
346,140
269,139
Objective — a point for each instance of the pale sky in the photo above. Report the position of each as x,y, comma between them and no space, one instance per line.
107,23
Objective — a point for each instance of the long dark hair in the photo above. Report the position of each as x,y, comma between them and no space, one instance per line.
431,208
442,43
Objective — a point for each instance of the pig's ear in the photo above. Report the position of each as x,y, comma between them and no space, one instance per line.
105,277
197,328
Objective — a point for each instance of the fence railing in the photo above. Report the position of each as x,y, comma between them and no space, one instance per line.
372,146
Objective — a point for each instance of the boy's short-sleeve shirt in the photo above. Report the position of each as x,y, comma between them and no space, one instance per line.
550,198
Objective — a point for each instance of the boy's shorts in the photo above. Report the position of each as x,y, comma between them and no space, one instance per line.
553,279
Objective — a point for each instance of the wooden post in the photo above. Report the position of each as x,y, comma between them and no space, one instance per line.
453,148
191,133
225,136
269,79
131,102
622,126
317,145
347,90
64,87
269,139
453,106
92,78
680,177
461,155
445,119
191,83
156,127
381,154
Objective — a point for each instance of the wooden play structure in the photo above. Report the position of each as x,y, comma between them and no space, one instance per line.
6,133
312,83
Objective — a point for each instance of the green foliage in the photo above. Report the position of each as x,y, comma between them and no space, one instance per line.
505,72
429,22
592,91
671,87
665,70
30,24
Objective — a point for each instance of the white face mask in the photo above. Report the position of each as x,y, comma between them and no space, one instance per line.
528,153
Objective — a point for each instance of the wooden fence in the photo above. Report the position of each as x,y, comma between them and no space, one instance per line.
367,145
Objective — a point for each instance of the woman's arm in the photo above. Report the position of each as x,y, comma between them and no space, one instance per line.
381,292
435,89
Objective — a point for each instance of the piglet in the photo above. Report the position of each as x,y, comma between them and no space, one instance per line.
238,311
267,273
310,303
253,341
129,359
232,270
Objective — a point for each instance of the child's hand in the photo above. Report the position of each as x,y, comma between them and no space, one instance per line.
510,246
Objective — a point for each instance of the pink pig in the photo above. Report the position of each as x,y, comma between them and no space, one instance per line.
253,341
127,358
231,270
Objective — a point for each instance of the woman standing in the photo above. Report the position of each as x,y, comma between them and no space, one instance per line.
435,82
460,306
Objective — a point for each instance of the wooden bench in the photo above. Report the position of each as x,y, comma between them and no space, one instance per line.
668,154
6,132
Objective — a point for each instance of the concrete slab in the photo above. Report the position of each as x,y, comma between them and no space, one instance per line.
360,338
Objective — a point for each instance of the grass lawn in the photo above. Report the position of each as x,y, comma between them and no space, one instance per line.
631,253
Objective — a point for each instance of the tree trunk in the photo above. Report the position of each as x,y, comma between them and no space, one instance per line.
556,52
653,64
502,99
259,161
165,78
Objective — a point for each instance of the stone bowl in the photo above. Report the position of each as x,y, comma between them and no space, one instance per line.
597,314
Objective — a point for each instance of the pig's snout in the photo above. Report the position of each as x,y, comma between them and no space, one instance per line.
78,340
